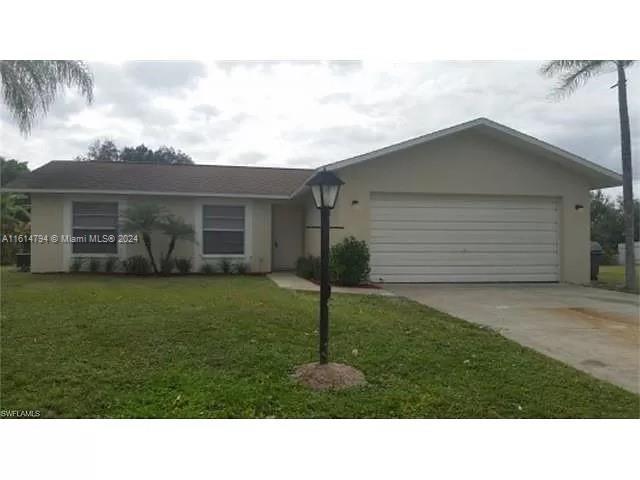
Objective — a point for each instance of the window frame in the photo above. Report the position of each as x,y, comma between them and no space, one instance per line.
244,230
73,227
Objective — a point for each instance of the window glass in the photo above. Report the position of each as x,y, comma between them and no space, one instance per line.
222,230
94,222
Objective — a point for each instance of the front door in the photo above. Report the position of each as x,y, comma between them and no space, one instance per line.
287,226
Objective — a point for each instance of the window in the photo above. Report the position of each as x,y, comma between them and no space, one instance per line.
93,222
222,230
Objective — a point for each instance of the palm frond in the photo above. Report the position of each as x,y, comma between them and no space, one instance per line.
29,87
141,218
627,63
573,74
177,228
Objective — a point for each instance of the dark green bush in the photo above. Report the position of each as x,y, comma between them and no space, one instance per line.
207,269
94,265
110,264
137,265
225,265
166,265
184,265
76,264
349,262
308,267
610,257
241,268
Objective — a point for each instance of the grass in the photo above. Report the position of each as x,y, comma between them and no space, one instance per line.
79,345
612,277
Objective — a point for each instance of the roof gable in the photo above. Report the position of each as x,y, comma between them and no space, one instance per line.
600,177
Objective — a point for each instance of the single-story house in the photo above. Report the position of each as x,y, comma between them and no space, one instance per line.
476,202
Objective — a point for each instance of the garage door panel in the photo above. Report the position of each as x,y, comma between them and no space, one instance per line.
462,236
458,225
448,238
457,201
468,269
486,278
527,248
432,259
460,215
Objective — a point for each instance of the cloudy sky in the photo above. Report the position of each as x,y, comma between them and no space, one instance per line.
304,114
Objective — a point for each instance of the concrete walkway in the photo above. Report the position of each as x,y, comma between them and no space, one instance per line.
591,329
293,282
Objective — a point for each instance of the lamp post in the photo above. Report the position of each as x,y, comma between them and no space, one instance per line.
325,187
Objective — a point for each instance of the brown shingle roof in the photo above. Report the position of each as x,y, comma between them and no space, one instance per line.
187,179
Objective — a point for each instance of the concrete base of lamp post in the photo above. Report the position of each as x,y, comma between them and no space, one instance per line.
330,376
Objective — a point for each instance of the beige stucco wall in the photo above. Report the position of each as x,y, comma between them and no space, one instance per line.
51,214
46,219
466,163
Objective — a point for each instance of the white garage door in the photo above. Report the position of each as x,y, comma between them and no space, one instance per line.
451,238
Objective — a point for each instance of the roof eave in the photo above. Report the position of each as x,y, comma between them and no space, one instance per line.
140,192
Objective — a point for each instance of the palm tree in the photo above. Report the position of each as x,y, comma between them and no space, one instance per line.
575,73
143,219
13,211
176,229
29,87
14,220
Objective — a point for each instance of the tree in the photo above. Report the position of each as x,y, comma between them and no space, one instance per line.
143,219
139,154
168,155
14,208
101,151
607,223
176,229
107,151
14,215
11,169
29,87
163,156
15,212
575,73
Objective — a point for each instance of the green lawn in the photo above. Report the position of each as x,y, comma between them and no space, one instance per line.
612,277
97,346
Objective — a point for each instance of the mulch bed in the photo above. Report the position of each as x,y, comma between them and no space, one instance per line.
330,376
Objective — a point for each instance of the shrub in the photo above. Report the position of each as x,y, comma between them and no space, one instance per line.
610,257
110,264
137,265
225,265
76,264
349,262
207,269
94,265
184,265
241,268
308,267
166,265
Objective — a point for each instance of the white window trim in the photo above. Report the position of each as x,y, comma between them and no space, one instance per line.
96,254
244,232
67,217
199,256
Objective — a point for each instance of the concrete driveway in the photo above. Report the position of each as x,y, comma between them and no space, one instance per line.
593,330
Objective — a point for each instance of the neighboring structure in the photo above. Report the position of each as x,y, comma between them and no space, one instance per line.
621,253
477,202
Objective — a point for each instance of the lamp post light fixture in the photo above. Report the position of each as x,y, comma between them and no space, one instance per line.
325,187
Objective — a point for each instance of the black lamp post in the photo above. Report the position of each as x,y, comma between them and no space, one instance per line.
325,187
